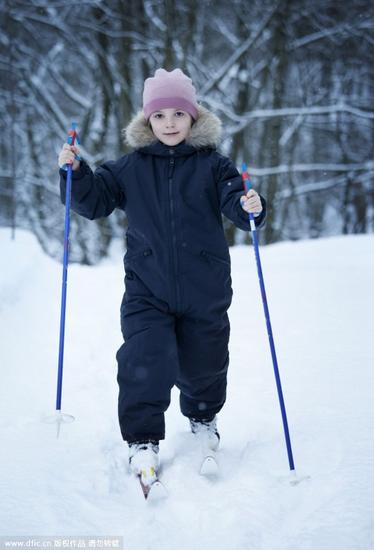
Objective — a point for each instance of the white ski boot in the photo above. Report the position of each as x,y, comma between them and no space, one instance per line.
144,460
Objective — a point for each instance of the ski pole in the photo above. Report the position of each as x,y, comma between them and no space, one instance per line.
60,417
71,141
247,186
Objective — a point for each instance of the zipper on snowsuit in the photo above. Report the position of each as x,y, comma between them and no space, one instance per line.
174,252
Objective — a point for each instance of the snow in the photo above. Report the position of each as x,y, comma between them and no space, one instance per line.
321,303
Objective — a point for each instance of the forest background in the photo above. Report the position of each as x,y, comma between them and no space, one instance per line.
292,81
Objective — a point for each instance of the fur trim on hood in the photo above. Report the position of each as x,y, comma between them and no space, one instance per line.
205,131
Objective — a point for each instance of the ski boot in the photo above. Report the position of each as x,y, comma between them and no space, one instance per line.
206,430
144,460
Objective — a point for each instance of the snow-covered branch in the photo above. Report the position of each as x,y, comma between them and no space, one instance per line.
310,167
319,186
301,111
315,36
241,121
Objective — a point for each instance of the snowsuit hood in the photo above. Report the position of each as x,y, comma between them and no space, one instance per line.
205,132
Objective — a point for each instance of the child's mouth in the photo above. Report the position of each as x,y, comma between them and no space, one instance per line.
172,134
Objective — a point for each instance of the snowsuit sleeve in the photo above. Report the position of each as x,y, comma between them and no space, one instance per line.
230,189
94,195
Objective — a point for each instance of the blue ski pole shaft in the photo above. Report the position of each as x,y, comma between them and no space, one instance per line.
71,140
247,187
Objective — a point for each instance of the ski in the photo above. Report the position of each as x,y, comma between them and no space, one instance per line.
153,491
209,466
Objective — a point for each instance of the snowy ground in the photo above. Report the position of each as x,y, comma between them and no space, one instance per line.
321,300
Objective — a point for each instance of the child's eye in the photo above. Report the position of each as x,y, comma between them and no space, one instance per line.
179,113
157,115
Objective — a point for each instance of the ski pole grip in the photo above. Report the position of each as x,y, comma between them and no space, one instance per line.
72,138
247,184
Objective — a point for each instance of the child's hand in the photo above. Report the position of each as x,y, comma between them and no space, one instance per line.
67,156
251,202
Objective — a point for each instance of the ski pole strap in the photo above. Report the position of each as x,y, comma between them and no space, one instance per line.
71,140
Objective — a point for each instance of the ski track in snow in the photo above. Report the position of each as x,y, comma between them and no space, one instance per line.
321,302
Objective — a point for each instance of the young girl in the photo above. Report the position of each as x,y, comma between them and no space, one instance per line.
174,319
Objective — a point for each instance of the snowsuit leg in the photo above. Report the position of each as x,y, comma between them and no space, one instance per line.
203,362
147,368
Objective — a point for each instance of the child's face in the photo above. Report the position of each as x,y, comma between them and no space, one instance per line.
171,126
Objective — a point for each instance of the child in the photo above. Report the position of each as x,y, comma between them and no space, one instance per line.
174,319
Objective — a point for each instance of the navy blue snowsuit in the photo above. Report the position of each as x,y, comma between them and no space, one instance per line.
178,285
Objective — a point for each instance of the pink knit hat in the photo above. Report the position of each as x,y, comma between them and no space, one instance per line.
169,89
